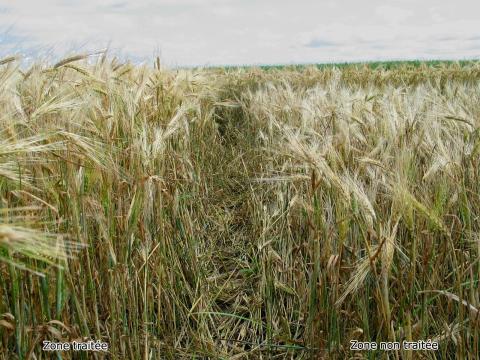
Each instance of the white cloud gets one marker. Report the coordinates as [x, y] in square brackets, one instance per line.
[199, 32]
[393, 14]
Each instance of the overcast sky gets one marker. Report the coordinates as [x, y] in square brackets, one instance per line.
[210, 32]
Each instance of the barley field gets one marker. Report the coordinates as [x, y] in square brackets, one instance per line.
[239, 213]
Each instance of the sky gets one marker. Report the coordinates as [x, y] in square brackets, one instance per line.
[231, 32]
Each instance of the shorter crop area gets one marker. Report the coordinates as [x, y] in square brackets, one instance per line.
[239, 213]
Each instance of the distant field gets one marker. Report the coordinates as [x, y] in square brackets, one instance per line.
[385, 65]
[240, 213]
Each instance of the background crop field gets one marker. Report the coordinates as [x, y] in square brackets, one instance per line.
[239, 213]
